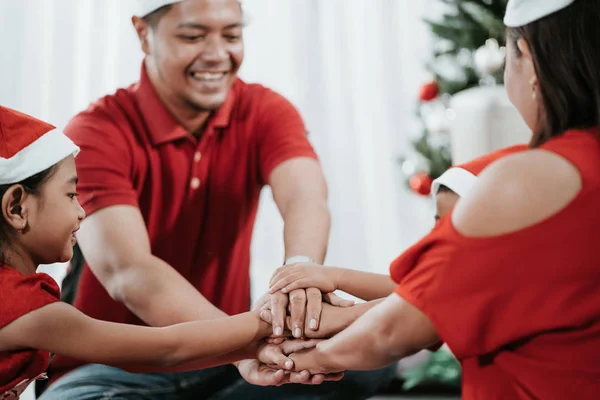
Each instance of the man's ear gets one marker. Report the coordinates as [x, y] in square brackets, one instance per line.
[14, 207]
[527, 60]
[143, 30]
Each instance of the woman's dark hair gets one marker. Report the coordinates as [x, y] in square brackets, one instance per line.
[565, 47]
[32, 185]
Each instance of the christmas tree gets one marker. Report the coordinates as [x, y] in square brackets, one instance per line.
[468, 51]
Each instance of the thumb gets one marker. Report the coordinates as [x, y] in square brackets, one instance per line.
[266, 316]
[337, 301]
[293, 346]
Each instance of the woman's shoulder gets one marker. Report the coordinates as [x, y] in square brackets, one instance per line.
[516, 192]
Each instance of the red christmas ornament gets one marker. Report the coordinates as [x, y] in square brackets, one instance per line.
[429, 91]
[421, 183]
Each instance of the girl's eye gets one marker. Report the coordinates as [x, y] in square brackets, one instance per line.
[73, 195]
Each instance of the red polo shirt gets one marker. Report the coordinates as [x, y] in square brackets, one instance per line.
[198, 198]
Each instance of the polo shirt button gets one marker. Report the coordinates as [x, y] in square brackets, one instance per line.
[197, 156]
[195, 183]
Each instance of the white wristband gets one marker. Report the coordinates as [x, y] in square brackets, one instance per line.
[298, 259]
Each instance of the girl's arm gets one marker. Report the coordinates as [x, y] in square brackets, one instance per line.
[388, 332]
[62, 329]
[364, 285]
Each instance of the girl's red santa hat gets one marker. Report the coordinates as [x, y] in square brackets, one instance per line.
[29, 146]
[461, 178]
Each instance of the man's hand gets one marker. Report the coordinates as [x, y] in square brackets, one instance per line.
[256, 373]
[334, 320]
[305, 310]
[305, 307]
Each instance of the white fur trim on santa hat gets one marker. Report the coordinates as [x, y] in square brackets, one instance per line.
[47, 150]
[146, 7]
[523, 12]
[457, 179]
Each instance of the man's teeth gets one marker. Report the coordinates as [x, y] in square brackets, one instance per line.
[209, 76]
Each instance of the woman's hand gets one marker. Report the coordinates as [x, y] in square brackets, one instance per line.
[314, 361]
[304, 276]
[276, 355]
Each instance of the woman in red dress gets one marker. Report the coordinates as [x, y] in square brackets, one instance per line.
[510, 279]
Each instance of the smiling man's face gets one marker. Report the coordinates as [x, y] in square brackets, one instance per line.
[193, 53]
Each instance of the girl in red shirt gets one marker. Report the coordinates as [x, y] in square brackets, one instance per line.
[510, 278]
[39, 217]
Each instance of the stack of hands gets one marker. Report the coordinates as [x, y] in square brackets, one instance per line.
[296, 316]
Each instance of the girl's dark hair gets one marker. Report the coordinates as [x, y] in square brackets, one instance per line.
[32, 185]
[565, 47]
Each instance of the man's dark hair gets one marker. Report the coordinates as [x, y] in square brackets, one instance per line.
[155, 16]
[565, 47]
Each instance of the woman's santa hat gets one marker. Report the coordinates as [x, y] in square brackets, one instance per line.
[523, 12]
[29, 146]
[461, 178]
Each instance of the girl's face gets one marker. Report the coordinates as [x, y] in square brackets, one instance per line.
[52, 218]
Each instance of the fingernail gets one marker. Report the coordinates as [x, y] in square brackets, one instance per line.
[289, 364]
[313, 324]
[278, 331]
[297, 332]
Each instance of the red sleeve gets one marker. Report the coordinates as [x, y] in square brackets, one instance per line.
[104, 164]
[282, 134]
[484, 294]
[20, 295]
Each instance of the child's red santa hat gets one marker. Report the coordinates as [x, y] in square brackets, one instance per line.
[29, 146]
[461, 178]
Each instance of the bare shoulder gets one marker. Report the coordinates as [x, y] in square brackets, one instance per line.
[516, 192]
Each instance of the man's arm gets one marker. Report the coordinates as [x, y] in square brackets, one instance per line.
[300, 192]
[117, 249]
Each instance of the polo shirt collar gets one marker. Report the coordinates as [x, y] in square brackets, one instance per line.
[162, 126]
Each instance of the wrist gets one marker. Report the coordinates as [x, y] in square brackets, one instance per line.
[264, 329]
[322, 357]
[336, 276]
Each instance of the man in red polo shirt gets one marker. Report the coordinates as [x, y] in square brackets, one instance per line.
[171, 169]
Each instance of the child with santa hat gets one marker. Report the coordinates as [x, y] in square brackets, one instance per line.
[39, 218]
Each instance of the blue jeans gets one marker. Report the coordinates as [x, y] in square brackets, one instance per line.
[101, 382]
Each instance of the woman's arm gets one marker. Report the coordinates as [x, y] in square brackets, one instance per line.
[388, 332]
[62, 329]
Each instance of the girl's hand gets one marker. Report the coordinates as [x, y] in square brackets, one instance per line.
[304, 276]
